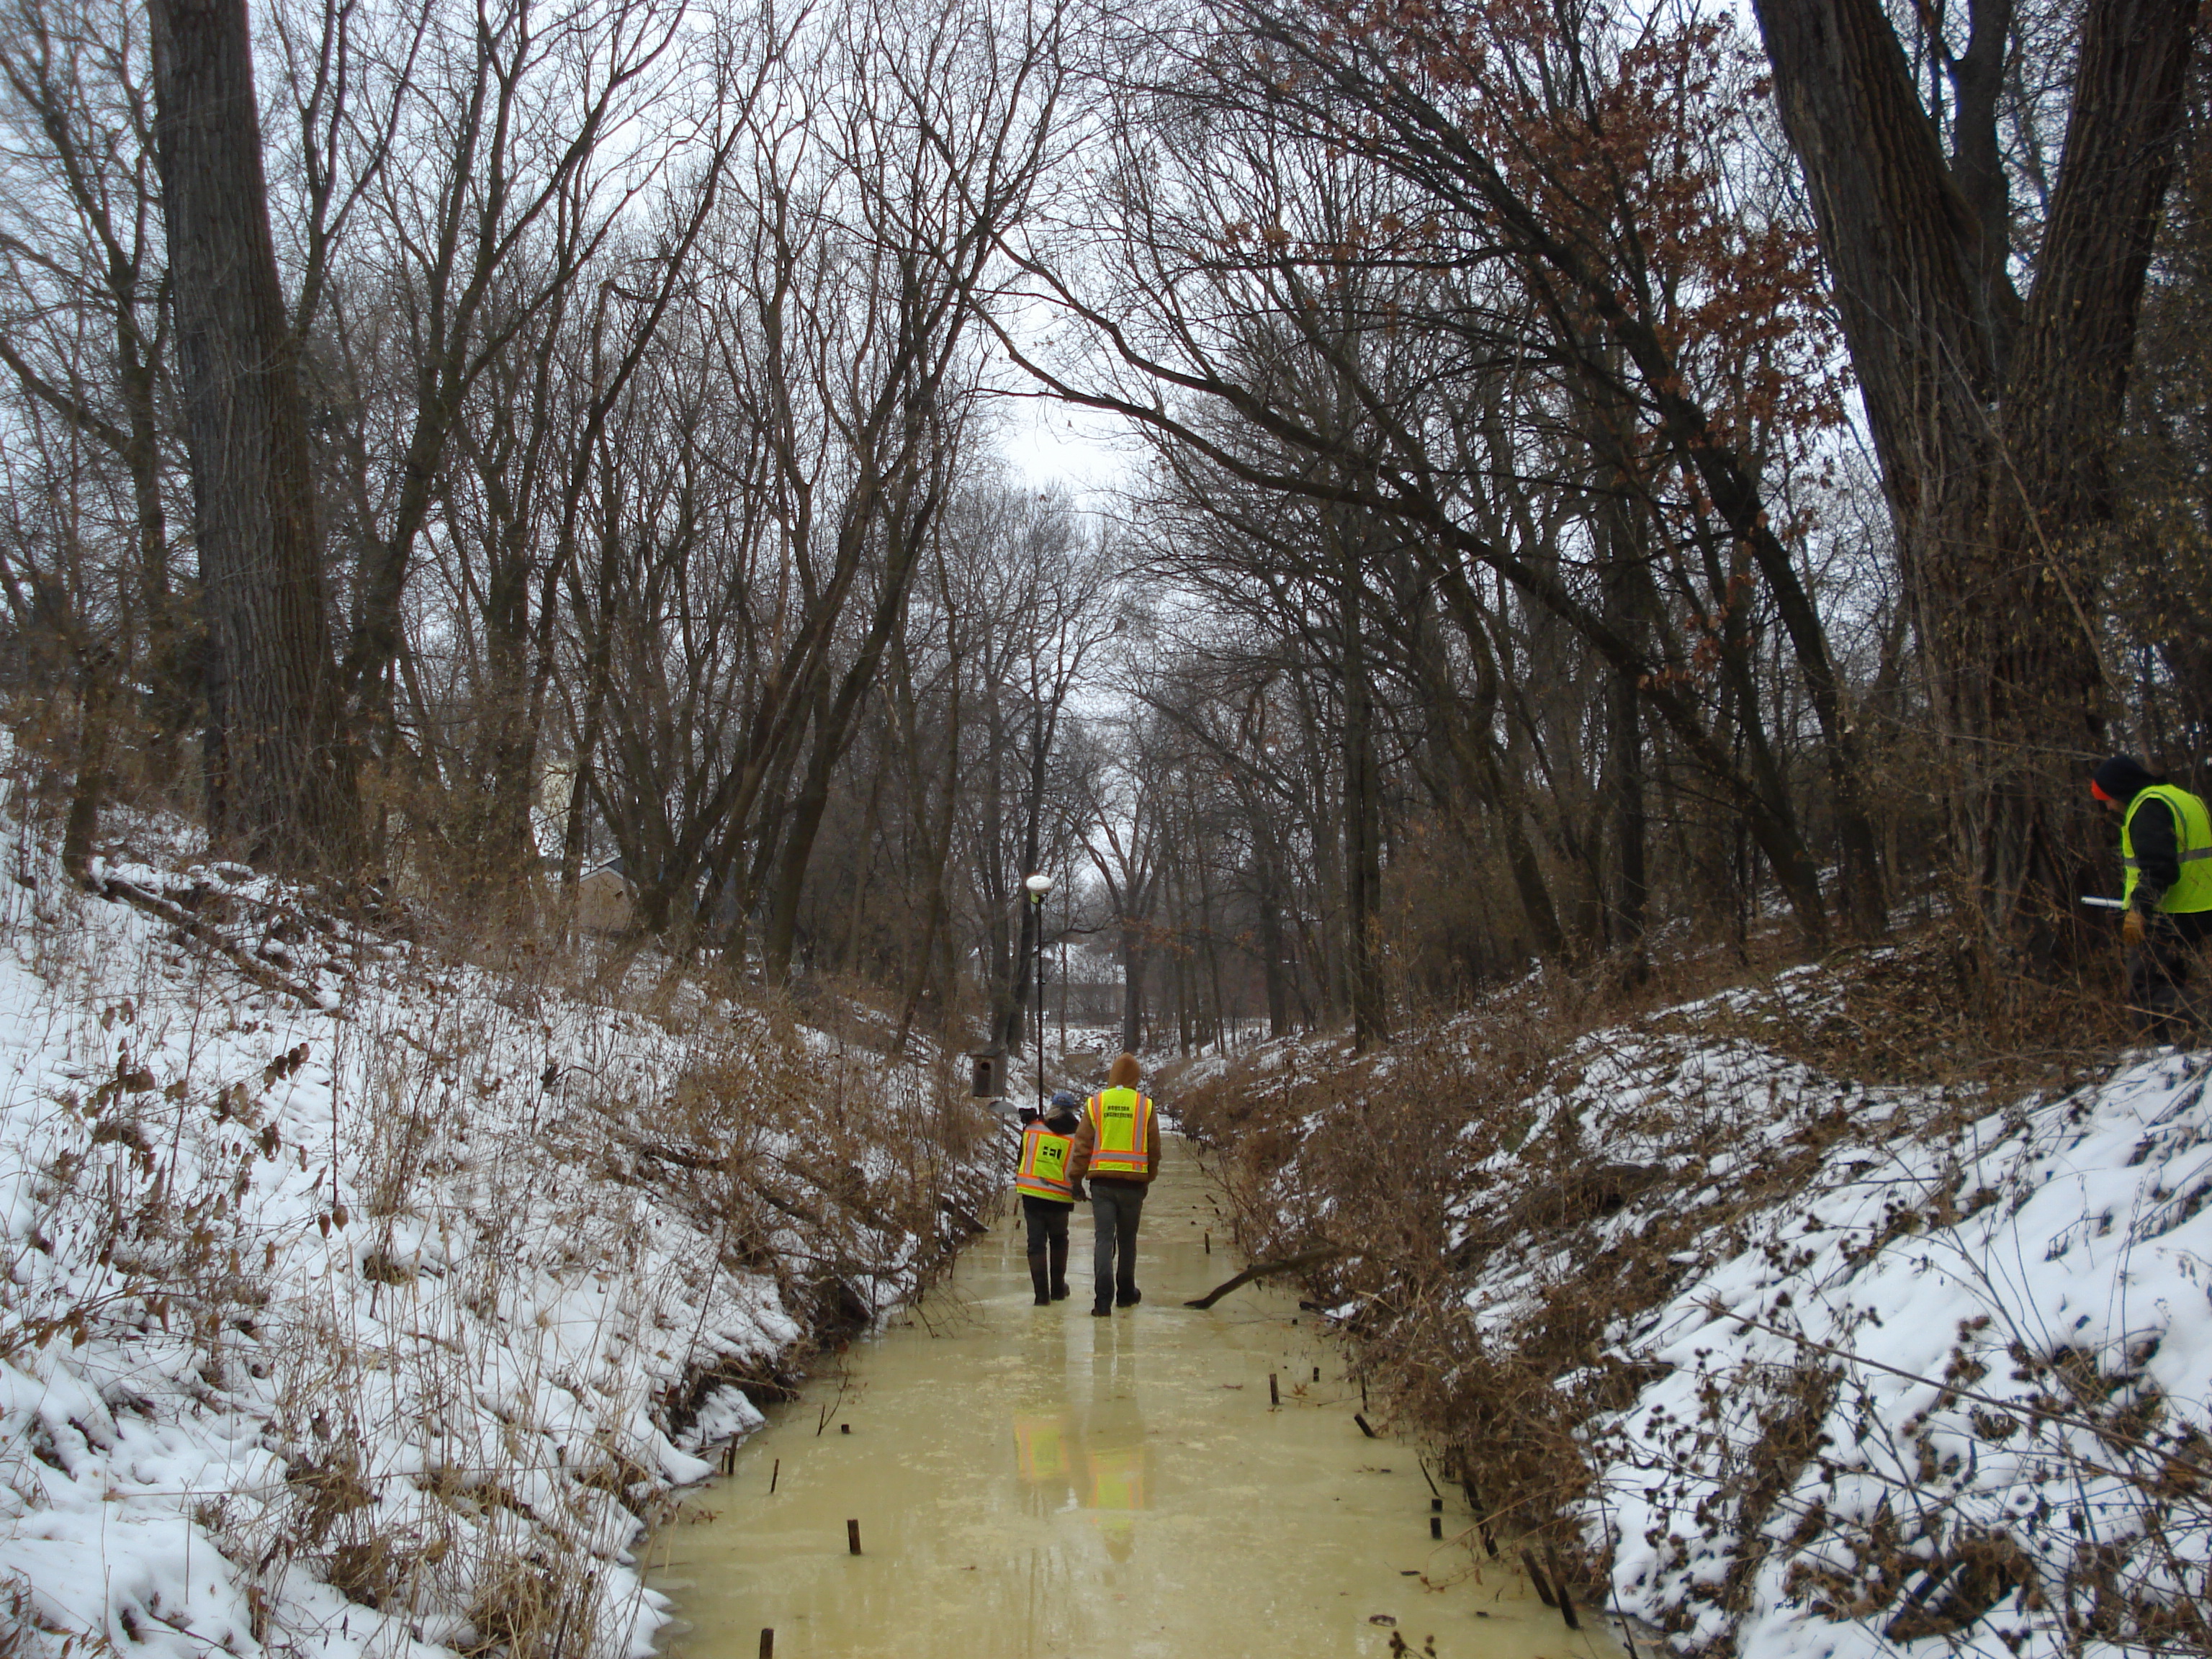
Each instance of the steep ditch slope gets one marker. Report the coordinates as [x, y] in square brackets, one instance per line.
[1785, 1360]
[357, 1300]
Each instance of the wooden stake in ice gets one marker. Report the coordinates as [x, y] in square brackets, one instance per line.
[1481, 1514]
[1536, 1578]
[853, 1537]
[1559, 1583]
[768, 1645]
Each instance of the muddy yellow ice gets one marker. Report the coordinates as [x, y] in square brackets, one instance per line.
[1033, 1483]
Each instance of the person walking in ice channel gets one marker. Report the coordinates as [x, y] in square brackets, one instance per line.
[1117, 1149]
[1047, 1195]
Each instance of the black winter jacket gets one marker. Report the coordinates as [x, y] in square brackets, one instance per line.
[2157, 841]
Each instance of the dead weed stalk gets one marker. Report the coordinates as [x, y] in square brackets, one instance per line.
[1518, 1190]
[471, 1253]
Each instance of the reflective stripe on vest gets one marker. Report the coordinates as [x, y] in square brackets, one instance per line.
[1043, 1172]
[2192, 837]
[1121, 1125]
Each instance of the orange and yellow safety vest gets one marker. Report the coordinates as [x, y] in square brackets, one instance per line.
[1042, 1172]
[1121, 1131]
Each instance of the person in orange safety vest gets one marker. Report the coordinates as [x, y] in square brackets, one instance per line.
[1117, 1148]
[1047, 1195]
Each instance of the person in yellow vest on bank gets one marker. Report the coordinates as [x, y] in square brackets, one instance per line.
[1047, 1191]
[2166, 850]
[1117, 1149]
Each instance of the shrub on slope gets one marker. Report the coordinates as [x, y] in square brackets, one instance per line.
[1793, 1360]
[365, 1297]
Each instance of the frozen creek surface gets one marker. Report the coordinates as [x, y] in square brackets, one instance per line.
[1032, 1483]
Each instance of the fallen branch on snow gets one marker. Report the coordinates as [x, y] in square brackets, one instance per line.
[199, 933]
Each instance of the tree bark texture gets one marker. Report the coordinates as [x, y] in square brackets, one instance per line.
[1363, 818]
[1992, 418]
[1133, 959]
[279, 786]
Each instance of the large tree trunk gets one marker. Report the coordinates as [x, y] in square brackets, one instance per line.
[938, 841]
[1992, 419]
[1134, 957]
[1620, 785]
[278, 788]
[1363, 818]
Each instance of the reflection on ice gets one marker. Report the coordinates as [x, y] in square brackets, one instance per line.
[1033, 1483]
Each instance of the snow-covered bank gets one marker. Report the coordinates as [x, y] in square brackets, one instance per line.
[1822, 1366]
[1952, 1387]
[361, 1302]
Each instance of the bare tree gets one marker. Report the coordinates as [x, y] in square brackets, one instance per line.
[467, 254]
[1993, 413]
[279, 779]
[1509, 182]
[1048, 601]
[83, 332]
[834, 367]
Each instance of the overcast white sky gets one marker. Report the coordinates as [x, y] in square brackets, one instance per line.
[1046, 442]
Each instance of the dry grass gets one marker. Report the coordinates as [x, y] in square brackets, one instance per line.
[561, 1181]
[1437, 1169]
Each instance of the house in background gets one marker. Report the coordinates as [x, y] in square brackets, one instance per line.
[605, 899]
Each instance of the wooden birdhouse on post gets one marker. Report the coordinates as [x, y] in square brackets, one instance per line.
[988, 1081]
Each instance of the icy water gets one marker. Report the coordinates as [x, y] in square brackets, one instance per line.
[1032, 1483]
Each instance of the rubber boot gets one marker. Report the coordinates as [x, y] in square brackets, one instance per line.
[1060, 1270]
[1039, 1280]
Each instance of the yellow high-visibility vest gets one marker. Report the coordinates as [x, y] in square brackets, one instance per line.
[1118, 1477]
[1042, 1172]
[2192, 838]
[1122, 1129]
[1042, 1445]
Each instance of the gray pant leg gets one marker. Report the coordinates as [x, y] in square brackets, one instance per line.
[1043, 1219]
[1103, 1210]
[1124, 1273]
[1114, 1213]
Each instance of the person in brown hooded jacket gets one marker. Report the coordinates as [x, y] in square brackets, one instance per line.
[1117, 1148]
